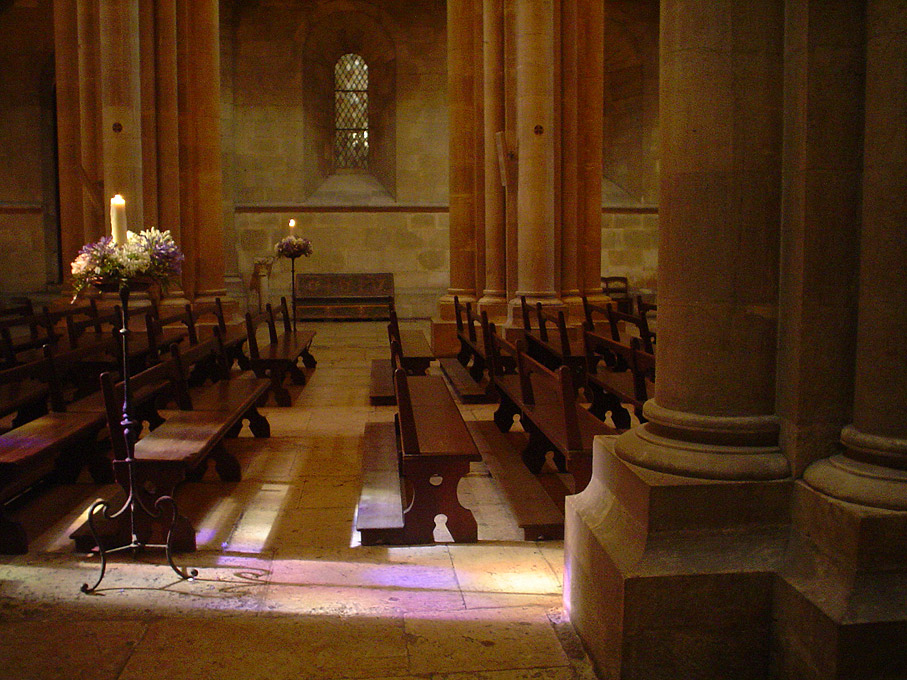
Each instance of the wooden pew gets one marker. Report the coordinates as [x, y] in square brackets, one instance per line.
[234, 335]
[555, 421]
[56, 444]
[434, 449]
[466, 372]
[237, 398]
[22, 337]
[618, 289]
[618, 374]
[176, 450]
[280, 357]
[24, 391]
[416, 359]
[552, 352]
[620, 326]
[415, 353]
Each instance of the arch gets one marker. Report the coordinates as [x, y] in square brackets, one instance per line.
[349, 28]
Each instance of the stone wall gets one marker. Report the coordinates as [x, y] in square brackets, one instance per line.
[630, 246]
[279, 146]
[411, 245]
[27, 172]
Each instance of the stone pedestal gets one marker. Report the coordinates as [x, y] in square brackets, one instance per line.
[841, 595]
[670, 576]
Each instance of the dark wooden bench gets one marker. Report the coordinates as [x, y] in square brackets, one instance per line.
[22, 337]
[234, 335]
[416, 358]
[24, 391]
[546, 403]
[551, 347]
[621, 326]
[618, 374]
[343, 296]
[537, 512]
[56, 444]
[178, 449]
[434, 449]
[281, 356]
[466, 371]
[236, 397]
[555, 421]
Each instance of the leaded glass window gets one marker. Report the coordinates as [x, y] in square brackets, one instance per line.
[351, 112]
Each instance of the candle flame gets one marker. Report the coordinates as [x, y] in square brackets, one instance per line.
[292, 223]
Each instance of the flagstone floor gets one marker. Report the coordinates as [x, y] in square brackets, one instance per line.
[284, 590]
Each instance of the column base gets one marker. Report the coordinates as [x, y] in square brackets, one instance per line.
[670, 576]
[841, 597]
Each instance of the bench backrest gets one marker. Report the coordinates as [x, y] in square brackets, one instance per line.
[22, 333]
[183, 361]
[309, 285]
[501, 354]
[160, 378]
[638, 321]
[101, 324]
[252, 323]
[155, 326]
[40, 370]
[215, 309]
[409, 438]
[550, 394]
[285, 314]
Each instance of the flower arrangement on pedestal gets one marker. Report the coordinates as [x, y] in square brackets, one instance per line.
[149, 257]
[293, 246]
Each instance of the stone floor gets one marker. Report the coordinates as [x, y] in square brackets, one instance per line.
[284, 588]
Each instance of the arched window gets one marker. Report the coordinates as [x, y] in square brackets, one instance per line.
[351, 112]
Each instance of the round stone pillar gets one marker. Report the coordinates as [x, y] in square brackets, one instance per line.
[198, 24]
[94, 215]
[461, 95]
[590, 66]
[713, 414]
[495, 293]
[68, 139]
[121, 123]
[873, 470]
[536, 242]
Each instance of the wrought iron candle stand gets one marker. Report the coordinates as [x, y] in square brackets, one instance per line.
[134, 502]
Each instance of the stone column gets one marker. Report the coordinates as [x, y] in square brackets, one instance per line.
[670, 550]
[198, 27]
[94, 214]
[494, 297]
[840, 608]
[121, 124]
[148, 88]
[478, 163]
[873, 469]
[589, 142]
[68, 139]
[536, 134]
[461, 97]
[168, 164]
[720, 209]
[568, 183]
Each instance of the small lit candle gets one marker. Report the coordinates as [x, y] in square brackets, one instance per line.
[292, 223]
[118, 219]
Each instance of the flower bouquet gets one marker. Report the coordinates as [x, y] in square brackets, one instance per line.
[293, 246]
[149, 257]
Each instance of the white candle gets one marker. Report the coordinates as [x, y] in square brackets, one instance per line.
[118, 219]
